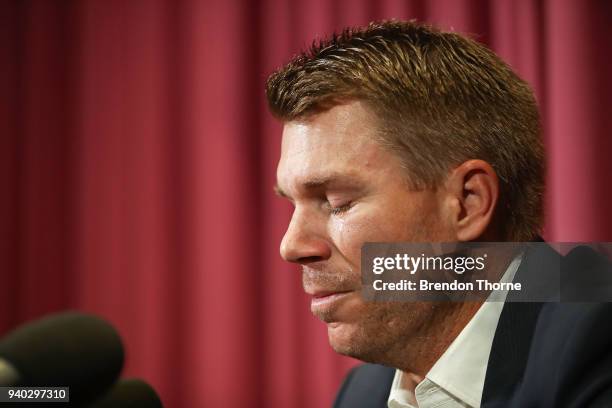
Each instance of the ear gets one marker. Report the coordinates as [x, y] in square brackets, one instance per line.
[473, 191]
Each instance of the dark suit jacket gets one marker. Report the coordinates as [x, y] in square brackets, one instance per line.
[545, 354]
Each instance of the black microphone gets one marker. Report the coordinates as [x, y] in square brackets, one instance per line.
[130, 393]
[71, 349]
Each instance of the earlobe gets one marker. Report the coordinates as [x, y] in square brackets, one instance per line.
[474, 189]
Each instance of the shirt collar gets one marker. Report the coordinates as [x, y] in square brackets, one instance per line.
[461, 370]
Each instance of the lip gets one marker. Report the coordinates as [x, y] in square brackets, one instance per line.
[326, 300]
[325, 293]
[319, 292]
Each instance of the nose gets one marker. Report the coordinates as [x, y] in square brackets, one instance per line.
[305, 239]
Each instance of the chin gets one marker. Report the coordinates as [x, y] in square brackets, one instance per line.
[360, 348]
[350, 340]
[340, 335]
[375, 337]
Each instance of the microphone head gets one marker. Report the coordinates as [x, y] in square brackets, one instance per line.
[71, 349]
[129, 393]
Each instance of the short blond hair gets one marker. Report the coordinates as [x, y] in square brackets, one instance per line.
[441, 98]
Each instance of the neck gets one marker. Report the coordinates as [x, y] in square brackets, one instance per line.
[419, 356]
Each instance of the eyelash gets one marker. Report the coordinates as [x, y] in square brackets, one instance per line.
[341, 209]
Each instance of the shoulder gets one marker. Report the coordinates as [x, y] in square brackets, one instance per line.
[365, 386]
[557, 353]
[570, 362]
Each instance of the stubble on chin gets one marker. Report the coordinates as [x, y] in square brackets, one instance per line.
[384, 332]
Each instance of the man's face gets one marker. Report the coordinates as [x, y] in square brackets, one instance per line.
[347, 190]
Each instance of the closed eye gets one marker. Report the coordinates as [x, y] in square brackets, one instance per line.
[340, 209]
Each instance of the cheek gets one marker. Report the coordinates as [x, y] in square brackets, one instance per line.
[346, 235]
[350, 233]
[383, 222]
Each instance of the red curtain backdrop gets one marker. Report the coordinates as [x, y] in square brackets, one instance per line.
[137, 160]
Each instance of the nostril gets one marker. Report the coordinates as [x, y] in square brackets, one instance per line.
[303, 244]
[309, 259]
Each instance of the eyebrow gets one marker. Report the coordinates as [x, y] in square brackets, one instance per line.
[326, 181]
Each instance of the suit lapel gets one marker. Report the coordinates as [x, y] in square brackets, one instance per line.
[517, 322]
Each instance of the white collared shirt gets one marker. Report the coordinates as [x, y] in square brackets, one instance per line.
[457, 379]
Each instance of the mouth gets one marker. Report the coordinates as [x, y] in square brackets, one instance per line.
[325, 301]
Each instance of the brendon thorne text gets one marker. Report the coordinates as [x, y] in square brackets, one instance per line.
[425, 285]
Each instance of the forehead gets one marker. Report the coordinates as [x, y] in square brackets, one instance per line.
[343, 139]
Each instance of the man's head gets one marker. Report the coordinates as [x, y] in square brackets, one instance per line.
[399, 132]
